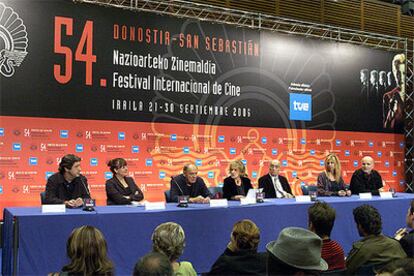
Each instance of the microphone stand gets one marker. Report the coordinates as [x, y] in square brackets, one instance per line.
[86, 206]
[184, 203]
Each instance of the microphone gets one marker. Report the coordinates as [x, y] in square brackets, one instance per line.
[184, 201]
[88, 203]
[312, 194]
[176, 183]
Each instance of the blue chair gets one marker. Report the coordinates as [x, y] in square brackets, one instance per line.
[167, 194]
[217, 192]
[308, 188]
[43, 198]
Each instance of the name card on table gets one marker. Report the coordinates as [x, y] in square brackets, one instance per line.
[303, 198]
[219, 203]
[155, 205]
[247, 201]
[386, 194]
[53, 208]
[365, 196]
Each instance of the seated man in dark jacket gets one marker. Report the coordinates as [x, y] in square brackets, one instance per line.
[366, 179]
[67, 186]
[240, 256]
[189, 184]
[273, 184]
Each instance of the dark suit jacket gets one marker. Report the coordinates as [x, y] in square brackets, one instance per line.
[244, 262]
[196, 189]
[58, 190]
[266, 183]
[230, 187]
[115, 192]
[363, 183]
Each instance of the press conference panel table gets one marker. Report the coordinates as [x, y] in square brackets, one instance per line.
[35, 243]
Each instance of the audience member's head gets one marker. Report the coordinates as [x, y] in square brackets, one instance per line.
[410, 215]
[153, 264]
[169, 238]
[368, 220]
[245, 236]
[321, 219]
[399, 267]
[295, 251]
[87, 251]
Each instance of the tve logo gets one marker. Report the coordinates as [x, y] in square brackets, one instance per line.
[108, 175]
[264, 140]
[370, 144]
[379, 154]
[221, 139]
[186, 150]
[121, 136]
[1, 131]
[173, 137]
[48, 174]
[387, 164]
[1, 189]
[198, 162]
[274, 151]
[94, 162]
[210, 174]
[64, 134]
[17, 146]
[79, 148]
[303, 141]
[232, 151]
[394, 173]
[347, 153]
[312, 152]
[148, 162]
[162, 175]
[338, 142]
[321, 163]
[254, 174]
[135, 149]
[33, 161]
[294, 174]
[244, 161]
[284, 163]
[300, 107]
[355, 163]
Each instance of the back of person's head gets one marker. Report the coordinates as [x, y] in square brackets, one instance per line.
[153, 264]
[87, 251]
[412, 207]
[245, 235]
[369, 219]
[295, 250]
[321, 218]
[169, 238]
[400, 267]
[67, 162]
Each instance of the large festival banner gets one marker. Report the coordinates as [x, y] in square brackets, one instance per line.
[160, 91]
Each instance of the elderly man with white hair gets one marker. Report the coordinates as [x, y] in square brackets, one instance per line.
[273, 184]
[366, 179]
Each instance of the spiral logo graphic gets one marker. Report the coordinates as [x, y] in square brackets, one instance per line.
[13, 41]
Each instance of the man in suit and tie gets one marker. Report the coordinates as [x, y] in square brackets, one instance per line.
[273, 184]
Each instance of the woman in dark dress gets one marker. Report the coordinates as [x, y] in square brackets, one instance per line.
[330, 182]
[121, 189]
[236, 185]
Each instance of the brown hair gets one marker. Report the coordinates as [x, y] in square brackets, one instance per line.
[245, 235]
[87, 251]
[116, 163]
[322, 217]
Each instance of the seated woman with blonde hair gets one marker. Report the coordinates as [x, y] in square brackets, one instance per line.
[236, 185]
[169, 239]
[240, 256]
[330, 182]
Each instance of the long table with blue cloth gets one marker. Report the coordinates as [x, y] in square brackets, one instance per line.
[35, 242]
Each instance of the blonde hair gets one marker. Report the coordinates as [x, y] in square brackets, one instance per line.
[245, 235]
[87, 251]
[169, 238]
[238, 164]
[337, 168]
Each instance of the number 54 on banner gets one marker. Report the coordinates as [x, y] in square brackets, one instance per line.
[83, 51]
